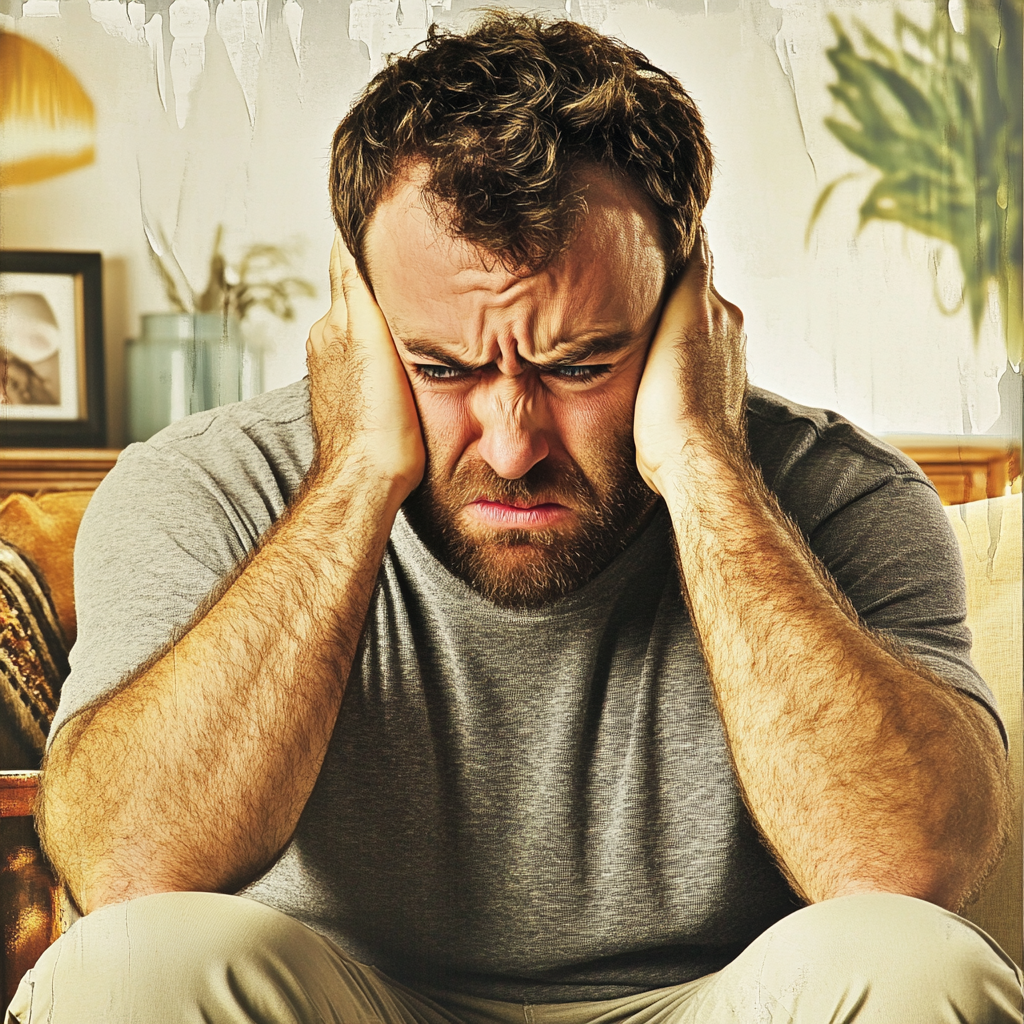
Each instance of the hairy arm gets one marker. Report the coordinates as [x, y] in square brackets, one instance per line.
[863, 771]
[192, 774]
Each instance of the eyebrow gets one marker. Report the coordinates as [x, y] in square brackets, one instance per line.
[574, 352]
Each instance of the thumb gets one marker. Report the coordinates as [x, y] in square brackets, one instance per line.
[337, 265]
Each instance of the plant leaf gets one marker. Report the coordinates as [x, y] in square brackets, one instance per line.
[171, 275]
[823, 198]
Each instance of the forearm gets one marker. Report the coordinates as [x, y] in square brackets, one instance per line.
[193, 774]
[862, 771]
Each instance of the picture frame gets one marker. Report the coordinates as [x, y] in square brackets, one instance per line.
[52, 391]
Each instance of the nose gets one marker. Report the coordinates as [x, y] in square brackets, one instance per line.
[511, 419]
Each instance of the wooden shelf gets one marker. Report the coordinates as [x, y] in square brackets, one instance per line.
[18, 793]
[963, 467]
[31, 470]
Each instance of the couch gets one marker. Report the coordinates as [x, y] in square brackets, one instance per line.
[37, 537]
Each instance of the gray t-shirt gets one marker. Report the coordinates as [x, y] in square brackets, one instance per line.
[522, 805]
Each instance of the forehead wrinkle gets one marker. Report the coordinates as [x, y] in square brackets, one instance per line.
[499, 321]
[458, 307]
[494, 281]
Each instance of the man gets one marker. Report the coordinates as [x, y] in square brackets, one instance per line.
[445, 717]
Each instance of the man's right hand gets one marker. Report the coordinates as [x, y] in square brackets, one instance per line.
[363, 410]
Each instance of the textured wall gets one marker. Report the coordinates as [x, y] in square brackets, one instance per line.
[221, 112]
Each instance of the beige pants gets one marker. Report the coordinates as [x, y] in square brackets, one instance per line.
[201, 958]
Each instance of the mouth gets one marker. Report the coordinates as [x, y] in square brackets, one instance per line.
[520, 515]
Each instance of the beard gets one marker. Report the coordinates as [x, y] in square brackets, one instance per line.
[516, 568]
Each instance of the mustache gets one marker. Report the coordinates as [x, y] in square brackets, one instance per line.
[530, 568]
[562, 483]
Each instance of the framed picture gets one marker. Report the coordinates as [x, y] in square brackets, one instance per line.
[51, 350]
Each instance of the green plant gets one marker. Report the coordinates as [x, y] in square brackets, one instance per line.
[231, 289]
[939, 115]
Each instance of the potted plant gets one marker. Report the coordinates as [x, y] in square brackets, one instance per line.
[938, 116]
[197, 358]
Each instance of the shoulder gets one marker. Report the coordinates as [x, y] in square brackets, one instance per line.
[271, 432]
[173, 517]
[265, 442]
[219, 478]
[817, 461]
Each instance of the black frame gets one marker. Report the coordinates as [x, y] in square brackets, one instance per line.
[91, 430]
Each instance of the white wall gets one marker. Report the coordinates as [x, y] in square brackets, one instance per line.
[849, 322]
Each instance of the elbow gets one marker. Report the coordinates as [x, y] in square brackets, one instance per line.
[980, 823]
[67, 823]
[57, 835]
[983, 834]
[934, 879]
[954, 858]
[964, 838]
[62, 833]
[102, 857]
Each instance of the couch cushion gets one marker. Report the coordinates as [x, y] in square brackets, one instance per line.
[37, 617]
[989, 533]
[33, 660]
[44, 529]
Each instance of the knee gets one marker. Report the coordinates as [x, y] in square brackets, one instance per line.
[174, 930]
[878, 927]
[175, 956]
[895, 953]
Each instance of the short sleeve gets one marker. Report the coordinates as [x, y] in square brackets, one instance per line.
[171, 520]
[894, 554]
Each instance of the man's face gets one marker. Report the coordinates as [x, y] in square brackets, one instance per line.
[525, 388]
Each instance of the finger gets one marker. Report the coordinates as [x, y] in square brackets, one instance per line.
[337, 265]
[707, 258]
[365, 320]
[697, 273]
[689, 295]
[315, 338]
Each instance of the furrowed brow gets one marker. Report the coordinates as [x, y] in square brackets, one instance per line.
[429, 350]
[569, 352]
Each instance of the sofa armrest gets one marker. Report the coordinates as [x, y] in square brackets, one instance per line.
[989, 533]
[30, 899]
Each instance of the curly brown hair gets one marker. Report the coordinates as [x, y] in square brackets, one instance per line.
[503, 117]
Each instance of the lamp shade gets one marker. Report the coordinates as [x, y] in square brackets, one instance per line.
[47, 122]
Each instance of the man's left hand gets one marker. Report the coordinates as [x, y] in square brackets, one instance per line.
[694, 384]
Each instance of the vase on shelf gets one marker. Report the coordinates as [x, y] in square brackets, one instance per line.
[185, 363]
